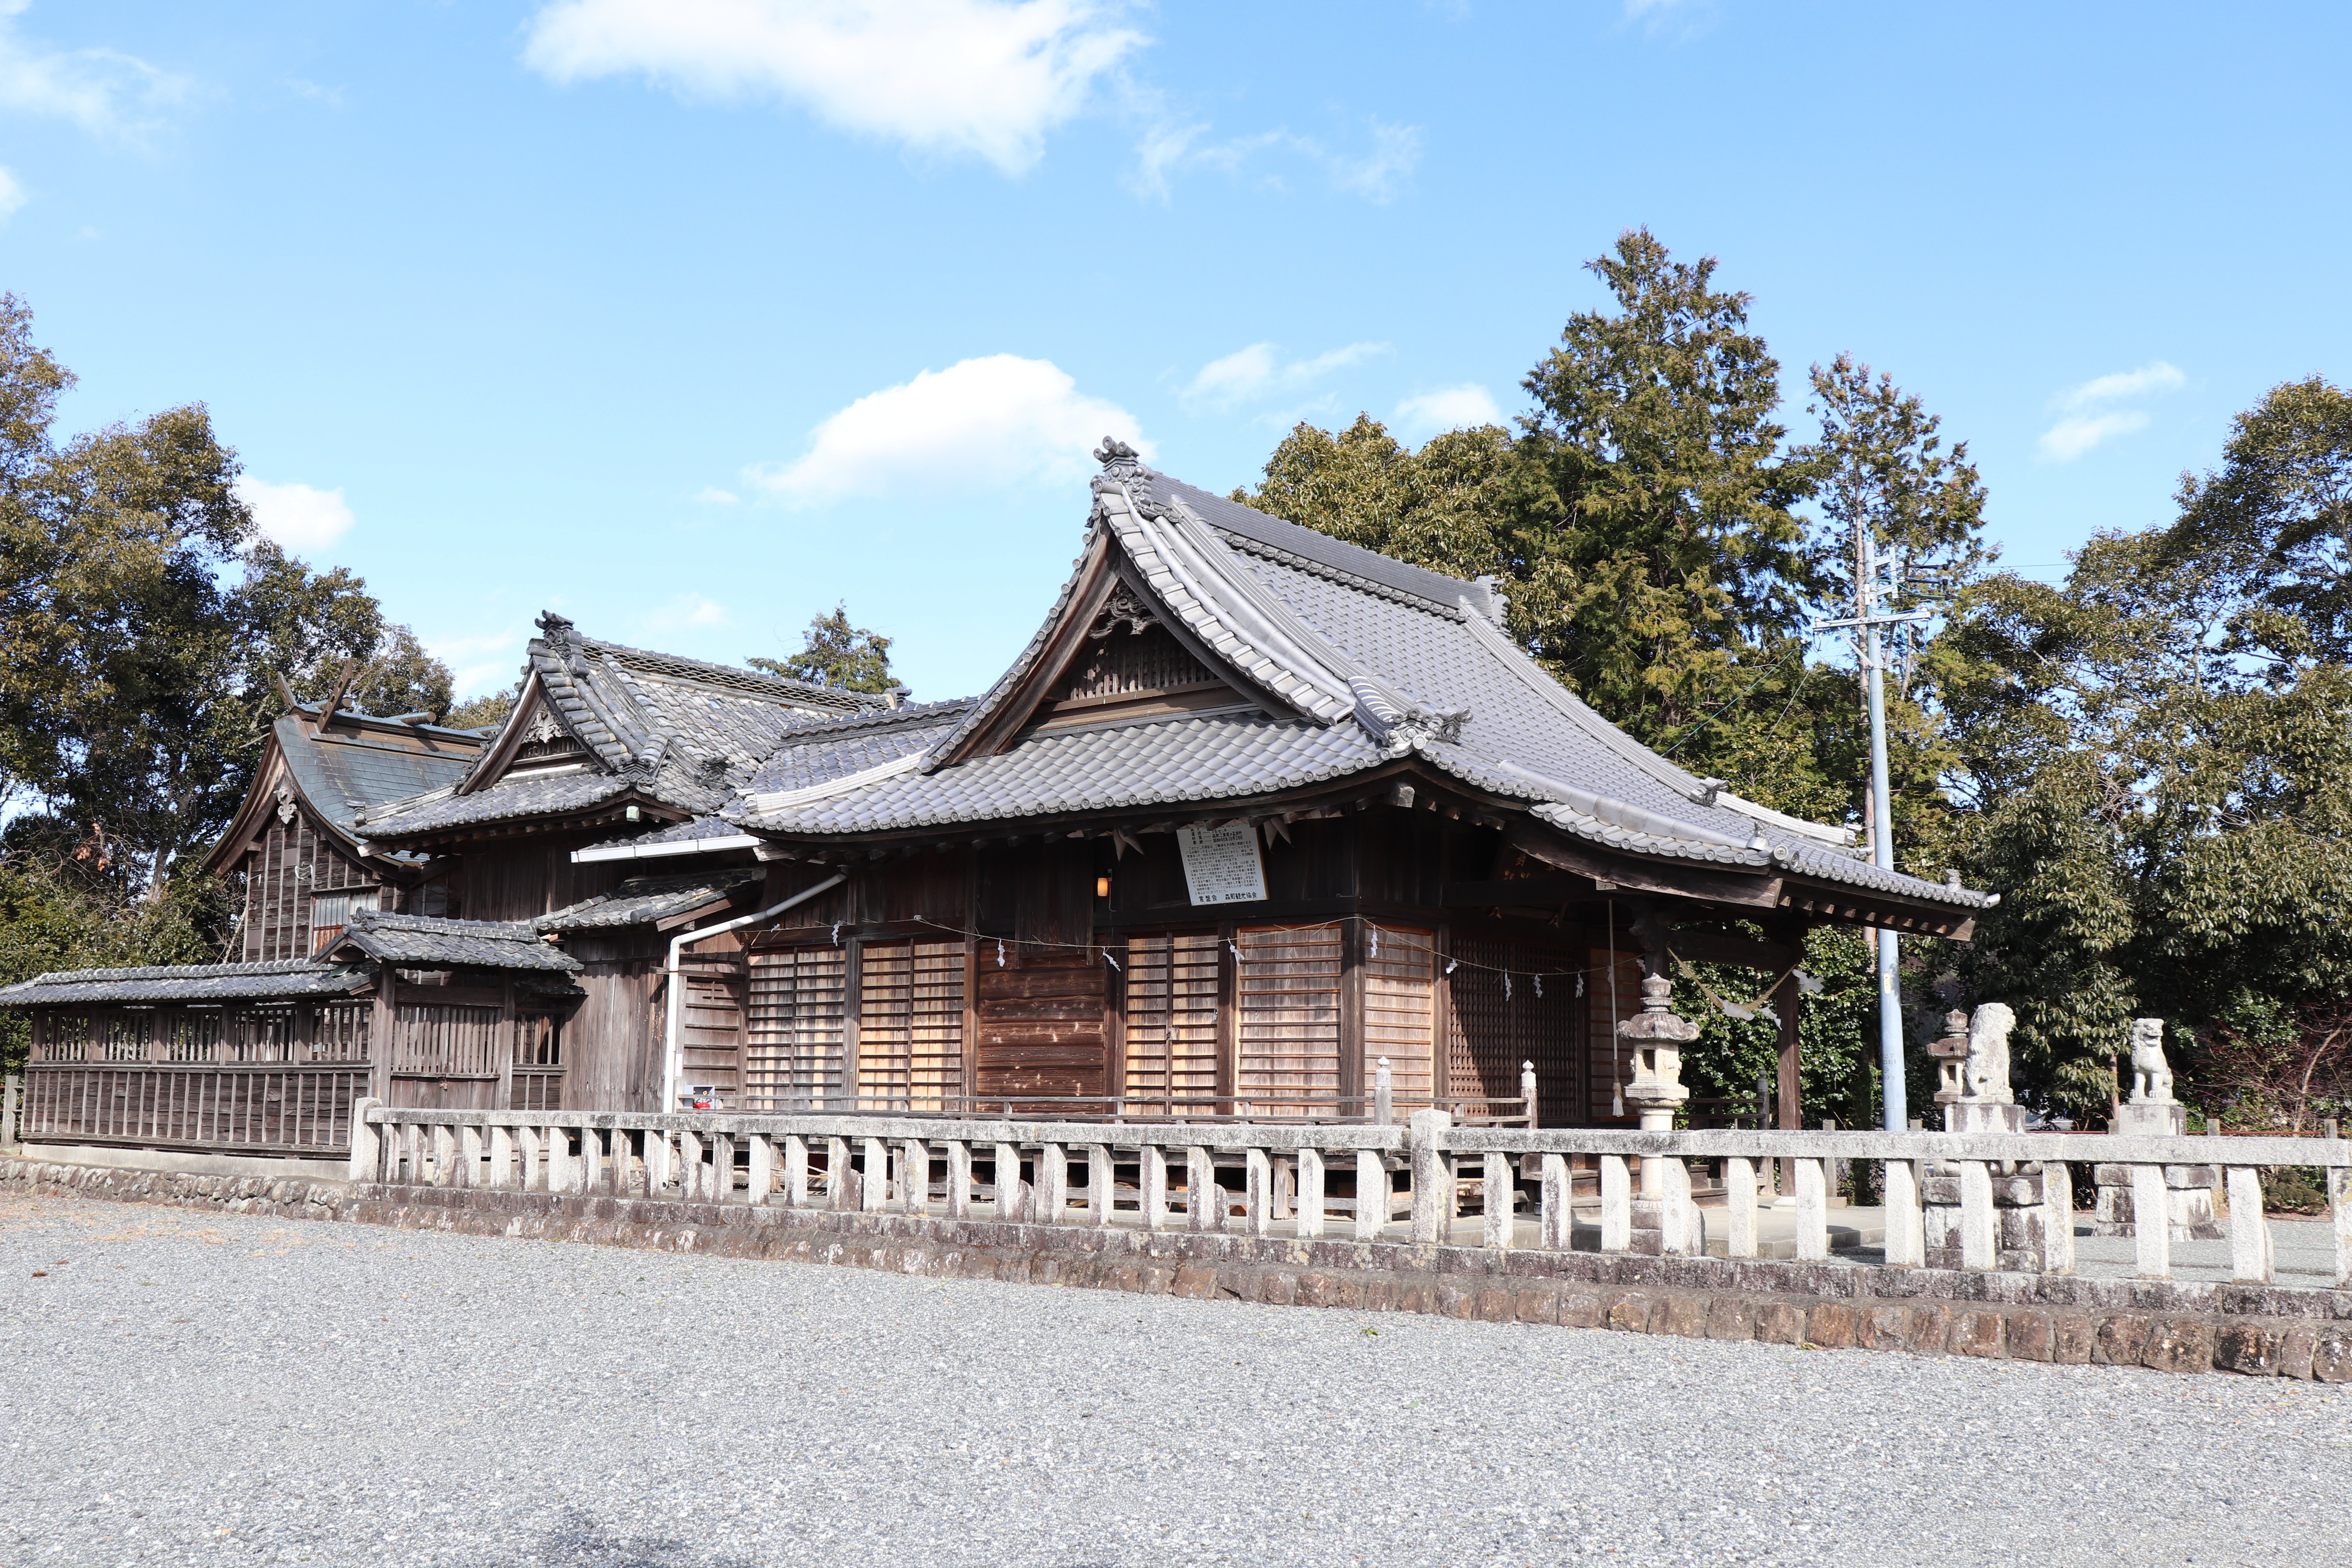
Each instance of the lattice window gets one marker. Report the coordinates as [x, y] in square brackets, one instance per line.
[126, 1036]
[537, 1082]
[791, 1051]
[339, 1031]
[261, 1035]
[65, 1038]
[1171, 1017]
[192, 1035]
[1287, 991]
[1401, 1011]
[447, 1040]
[909, 1025]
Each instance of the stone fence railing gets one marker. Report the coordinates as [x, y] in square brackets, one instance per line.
[1972, 1201]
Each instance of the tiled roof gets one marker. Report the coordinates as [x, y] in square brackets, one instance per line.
[282, 978]
[1377, 660]
[636, 708]
[643, 900]
[1164, 762]
[351, 767]
[678, 730]
[431, 939]
[531, 795]
[819, 754]
[691, 830]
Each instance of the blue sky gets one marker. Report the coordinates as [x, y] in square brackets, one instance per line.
[692, 317]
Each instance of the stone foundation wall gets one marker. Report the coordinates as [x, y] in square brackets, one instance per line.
[2261, 1330]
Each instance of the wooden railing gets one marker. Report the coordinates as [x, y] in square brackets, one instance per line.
[1976, 1201]
[301, 1109]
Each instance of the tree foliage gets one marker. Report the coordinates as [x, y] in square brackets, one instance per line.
[483, 712]
[1663, 546]
[142, 621]
[2157, 762]
[837, 655]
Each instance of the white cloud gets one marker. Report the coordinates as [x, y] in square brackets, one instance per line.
[2089, 415]
[2070, 438]
[711, 495]
[299, 518]
[987, 79]
[2153, 376]
[1448, 408]
[1259, 372]
[111, 95]
[979, 424]
[12, 195]
[1171, 146]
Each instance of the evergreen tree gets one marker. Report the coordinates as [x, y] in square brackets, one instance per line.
[837, 655]
[142, 622]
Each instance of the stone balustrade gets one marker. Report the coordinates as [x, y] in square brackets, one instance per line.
[1976, 1201]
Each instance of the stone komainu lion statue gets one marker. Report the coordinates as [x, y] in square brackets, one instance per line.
[2151, 1074]
[1985, 1074]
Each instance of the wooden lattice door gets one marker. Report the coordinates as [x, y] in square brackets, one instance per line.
[793, 1034]
[1287, 1002]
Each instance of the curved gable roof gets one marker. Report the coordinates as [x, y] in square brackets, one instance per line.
[1372, 661]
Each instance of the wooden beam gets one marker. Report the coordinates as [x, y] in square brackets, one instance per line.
[1644, 877]
[1529, 892]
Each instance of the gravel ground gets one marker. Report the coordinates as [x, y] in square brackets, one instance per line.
[190, 1387]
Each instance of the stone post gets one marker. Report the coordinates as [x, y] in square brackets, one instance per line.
[1307, 1208]
[1431, 1180]
[1665, 1220]
[367, 1139]
[1371, 1196]
[1102, 1182]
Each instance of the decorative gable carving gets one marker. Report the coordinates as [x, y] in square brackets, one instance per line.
[1144, 659]
[542, 742]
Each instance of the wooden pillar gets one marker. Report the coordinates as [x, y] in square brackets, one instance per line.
[1788, 1002]
[1228, 1021]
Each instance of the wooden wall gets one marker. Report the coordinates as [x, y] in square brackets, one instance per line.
[1042, 1027]
[285, 865]
[613, 1045]
[1282, 1004]
[533, 875]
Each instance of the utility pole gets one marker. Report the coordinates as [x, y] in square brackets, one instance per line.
[1871, 651]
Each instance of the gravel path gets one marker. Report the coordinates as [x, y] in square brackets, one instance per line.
[184, 1388]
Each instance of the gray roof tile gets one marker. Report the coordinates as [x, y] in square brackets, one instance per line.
[640, 900]
[281, 978]
[680, 731]
[430, 939]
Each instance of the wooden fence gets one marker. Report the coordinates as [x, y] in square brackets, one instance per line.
[282, 1108]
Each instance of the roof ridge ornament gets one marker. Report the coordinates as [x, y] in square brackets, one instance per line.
[1119, 460]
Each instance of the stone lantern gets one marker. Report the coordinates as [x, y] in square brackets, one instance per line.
[1664, 1219]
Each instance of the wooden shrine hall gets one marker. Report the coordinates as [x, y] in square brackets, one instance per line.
[1254, 811]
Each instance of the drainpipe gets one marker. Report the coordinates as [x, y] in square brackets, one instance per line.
[676, 1007]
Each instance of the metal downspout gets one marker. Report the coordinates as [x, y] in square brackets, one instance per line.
[676, 1008]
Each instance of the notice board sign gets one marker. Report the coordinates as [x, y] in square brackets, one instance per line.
[1222, 864]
